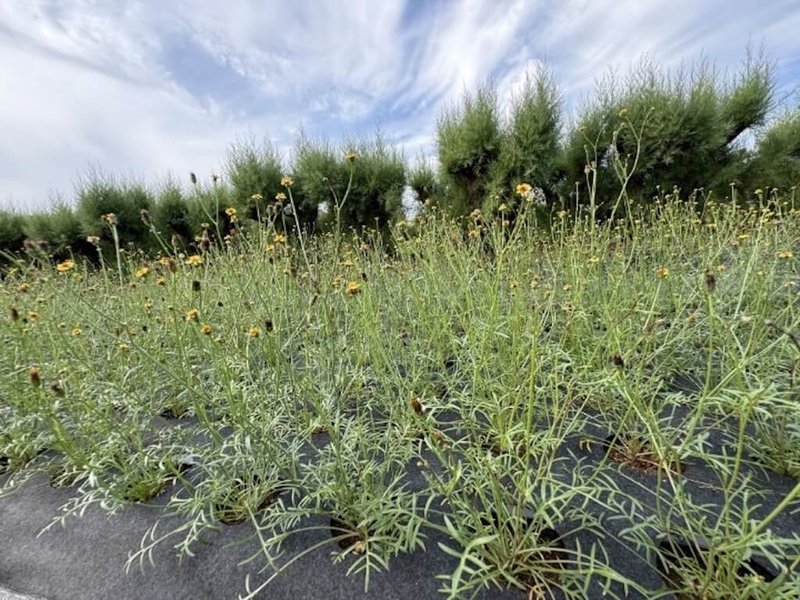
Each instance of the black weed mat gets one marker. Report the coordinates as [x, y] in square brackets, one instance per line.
[86, 558]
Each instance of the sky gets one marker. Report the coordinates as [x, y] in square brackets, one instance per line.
[147, 89]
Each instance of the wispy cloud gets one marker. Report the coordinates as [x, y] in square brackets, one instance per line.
[147, 87]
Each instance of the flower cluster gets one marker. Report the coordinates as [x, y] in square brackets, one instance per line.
[533, 195]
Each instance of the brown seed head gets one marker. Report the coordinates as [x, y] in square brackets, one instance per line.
[617, 360]
[416, 404]
[711, 281]
[34, 377]
[205, 240]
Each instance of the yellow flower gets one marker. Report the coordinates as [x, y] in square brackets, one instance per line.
[33, 315]
[64, 267]
[93, 239]
[662, 272]
[474, 233]
[143, 272]
[503, 207]
[623, 112]
[206, 329]
[523, 189]
[562, 214]
[254, 332]
[76, 331]
[23, 288]
[280, 197]
[287, 181]
[785, 254]
[593, 260]
[743, 236]
[350, 156]
[256, 197]
[161, 281]
[192, 314]
[123, 347]
[279, 238]
[230, 211]
[195, 260]
[270, 248]
[353, 288]
[109, 219]
[711, 225]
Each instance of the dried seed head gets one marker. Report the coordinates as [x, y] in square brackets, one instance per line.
[205, 240]
[193, 178]
[268, 325]
[13, 313]
[34, 377]
[195, 286]
[416, 404]
[144, 215]
[617, 360]
[711, 281]
[56, 388]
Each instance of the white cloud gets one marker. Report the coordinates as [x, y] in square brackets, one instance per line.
[149, 87]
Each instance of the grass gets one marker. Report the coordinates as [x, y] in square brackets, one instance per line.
[533, 400]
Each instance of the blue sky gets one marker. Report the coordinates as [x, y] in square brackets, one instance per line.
[153, 87]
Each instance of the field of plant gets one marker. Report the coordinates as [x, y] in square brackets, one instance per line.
[571, 371]
[563, 407]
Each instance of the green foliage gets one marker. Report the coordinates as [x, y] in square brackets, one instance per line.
[378, 173]
[423, 182]
[453, 398]
[530, 141]
[677, 129]
[747, 102]
[469, 140]
[171, 214]
[60, 228]
[207, 206]
[253, 170]
[777, 158]
[100, 196]
[11, 232]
